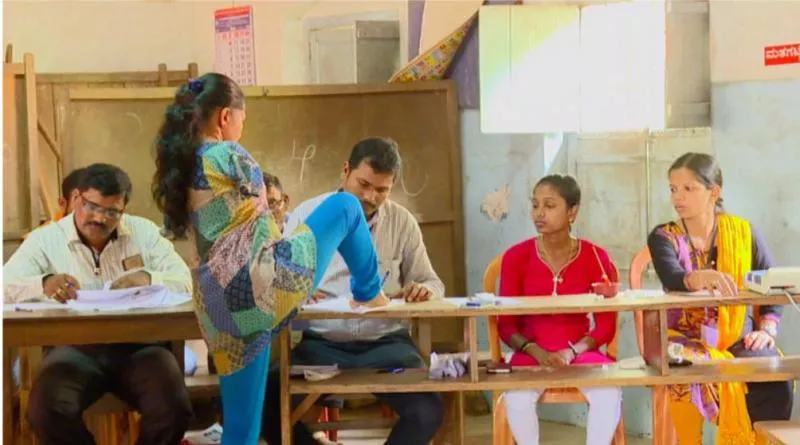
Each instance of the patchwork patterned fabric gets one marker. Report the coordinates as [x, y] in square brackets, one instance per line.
[685, 326]
[250, 282]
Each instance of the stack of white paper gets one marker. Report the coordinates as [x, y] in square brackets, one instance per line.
[142, 297]
[131, 298]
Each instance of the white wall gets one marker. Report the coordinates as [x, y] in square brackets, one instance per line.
[137, 35]
[740, 30]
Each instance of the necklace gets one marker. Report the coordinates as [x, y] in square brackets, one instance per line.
[704, 255]
[543, 253]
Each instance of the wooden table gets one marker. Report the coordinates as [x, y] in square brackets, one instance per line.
[778, 433]
[657, 371]
[66, 327]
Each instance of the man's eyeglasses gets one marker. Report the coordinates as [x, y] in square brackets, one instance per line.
[274, 203]
[91, 207]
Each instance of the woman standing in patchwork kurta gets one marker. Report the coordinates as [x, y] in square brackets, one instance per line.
[707, 248]
[250, 281]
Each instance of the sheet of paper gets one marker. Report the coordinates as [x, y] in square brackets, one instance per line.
[299, 370]
[33, 306]
[343, 305]
[643, 293]
[699, 293]
[330, 305]
[632, 363]
[392, 304]
[132, 298]
[499, 301]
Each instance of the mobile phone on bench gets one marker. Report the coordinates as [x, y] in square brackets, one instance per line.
[498, 368]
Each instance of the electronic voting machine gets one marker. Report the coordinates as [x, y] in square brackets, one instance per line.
[776, 280]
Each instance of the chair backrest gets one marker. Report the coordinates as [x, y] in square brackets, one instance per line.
[491, 278]
[638, 267]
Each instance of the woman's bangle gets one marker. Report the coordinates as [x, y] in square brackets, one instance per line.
[770, 328]
[572, 348]
[524, 346]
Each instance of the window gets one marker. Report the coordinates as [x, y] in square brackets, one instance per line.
[561, 68]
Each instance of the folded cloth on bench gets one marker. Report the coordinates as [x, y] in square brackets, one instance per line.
[448, 366]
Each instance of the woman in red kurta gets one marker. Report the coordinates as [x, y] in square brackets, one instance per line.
[555, 263]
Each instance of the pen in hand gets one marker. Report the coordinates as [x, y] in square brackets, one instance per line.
[385, 277]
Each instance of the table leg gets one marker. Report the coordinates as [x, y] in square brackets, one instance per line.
[471, 334]
[286, 396]
[452, 430]
[8, 394]
[424, 338]
[655, 340]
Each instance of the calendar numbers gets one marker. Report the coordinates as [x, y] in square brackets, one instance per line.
[234, 44]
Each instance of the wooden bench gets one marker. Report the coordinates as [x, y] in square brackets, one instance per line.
[778, 433]
[416, 380]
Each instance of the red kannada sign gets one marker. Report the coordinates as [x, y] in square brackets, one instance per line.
[782, 54]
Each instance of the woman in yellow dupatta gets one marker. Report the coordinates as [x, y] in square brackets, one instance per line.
[708, 249]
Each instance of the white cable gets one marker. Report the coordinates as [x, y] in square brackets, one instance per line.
[791, 300]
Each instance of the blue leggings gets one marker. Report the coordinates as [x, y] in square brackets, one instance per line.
[338, 223]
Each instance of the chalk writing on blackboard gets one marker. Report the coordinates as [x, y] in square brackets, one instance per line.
[308, 154]
[135, 117]
[416, 193]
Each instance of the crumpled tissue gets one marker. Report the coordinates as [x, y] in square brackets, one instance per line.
[448, 366]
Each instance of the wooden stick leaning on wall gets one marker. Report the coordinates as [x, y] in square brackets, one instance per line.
[29, 218]
[33, 138]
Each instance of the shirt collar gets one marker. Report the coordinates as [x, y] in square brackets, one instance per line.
[67, 224]
[372, 220]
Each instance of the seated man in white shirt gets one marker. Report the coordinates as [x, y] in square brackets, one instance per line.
[370, 174]
[95, 244]
[277, 199]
